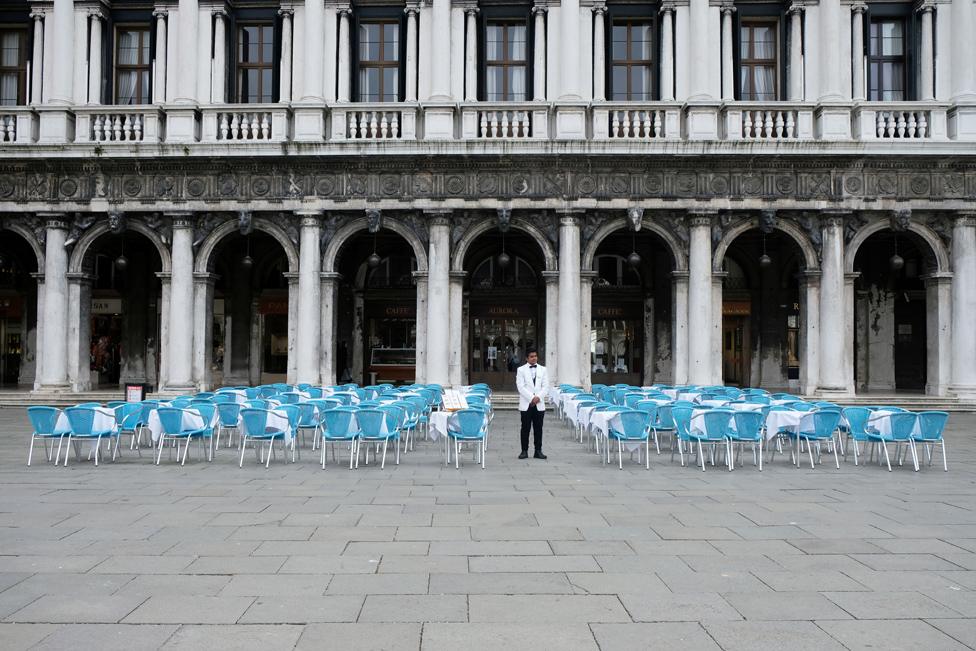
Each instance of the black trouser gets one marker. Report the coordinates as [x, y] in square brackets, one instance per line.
[532, 416]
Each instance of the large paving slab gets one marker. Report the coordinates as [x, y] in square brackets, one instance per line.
[567, 553]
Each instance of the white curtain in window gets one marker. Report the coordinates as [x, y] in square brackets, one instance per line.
[125, 93]
[765, 83]
[518, 85]
[8, 90]
[10, 46]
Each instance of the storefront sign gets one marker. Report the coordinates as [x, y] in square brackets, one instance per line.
[609, 312]
[504, 311]
[273, 306]
[400, 311]
[736, 308]
[106, 306]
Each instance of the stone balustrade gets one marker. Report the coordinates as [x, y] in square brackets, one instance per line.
[530, 121]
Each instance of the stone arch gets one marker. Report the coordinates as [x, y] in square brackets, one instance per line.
[483, 226]
[810, 258]
[259, 223]
[77, 262]
[930, 237]
[676, 248]
[28, 235]
[354, 226]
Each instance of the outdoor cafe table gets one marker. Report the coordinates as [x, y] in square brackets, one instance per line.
[104, 420]
[191, 420]
[880, 420]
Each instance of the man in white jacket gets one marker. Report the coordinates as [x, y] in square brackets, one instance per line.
[532, 383]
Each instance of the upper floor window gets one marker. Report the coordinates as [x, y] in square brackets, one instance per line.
[13, 67]
[632, 55]
[379, 61]
[757, 61]
[506, 61]
[132, 64]
[886, 60]
[255, 64]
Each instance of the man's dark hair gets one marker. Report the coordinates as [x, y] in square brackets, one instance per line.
[529, 351]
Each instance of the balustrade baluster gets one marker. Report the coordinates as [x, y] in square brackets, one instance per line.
[922, 124]
[137, 127]
[779, 124]
[373, 125]
[265, 126]
[911, 124]
[505, 125]
[126, 128]
[395, 125]
[892, 123]
[790, 124]
[116, 128]
[224, 126]
[901, 124]
[614, 124]
[97, 126]
[657, 124]
[235, 127]
[880, 124]
[625, 127]
[383, 125]
[747, 124]
[484, 123]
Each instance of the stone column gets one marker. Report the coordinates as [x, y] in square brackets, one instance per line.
[357, 348]
[438, 296]
[938, 327]
[829, 18]
[79, 61]
[440, 81]
[809, 335]
[293, 306]
[679, 327]
[188, 20]
[847, 365]
[420, 277]
[162, 346]
[568, 327]
[859, 90]
[599, 54]
[314, 52]
[218, 89]
[586, 326]
[700, 297]
[203, 289]
[964, 305]
[39, 332]
[649, 351]
[926, 91]
[698, 86]
[569, 16]
[833, 306]
[95, 58]
[180, 351]
[718, 278]
[728, 68]
[471, 54]
[47, 79]
[309, 298]
[796, 52]
[963, 48]
[667, 51]
[287, 16]
[254, 354]
[552, 333]
[37, 58]
[410, 94]
[79, 331]
[456, 328]
[159, 65]
[54, 372]
[345, 51]
[539, 64]
[329, 294]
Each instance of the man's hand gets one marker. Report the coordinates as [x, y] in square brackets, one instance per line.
[535, 400]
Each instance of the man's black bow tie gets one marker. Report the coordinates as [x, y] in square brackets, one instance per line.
[532, 366]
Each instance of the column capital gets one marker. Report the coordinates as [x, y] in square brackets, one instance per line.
[286, 12]
[965, 218]
[205, 278]
[599, 10]
[471, 11]
[667, 7]
[180, 219]
[38, 13]
[54, 220]
[344, 12]
[160, 12]
[796, 8]
[551, 277]
[419, 276]
[809, 277]
[728, 7]
[96, 12]
[291, 277]
[541, 9]
[309, 217]
[412, 10]
[457, 276]
[851, 276]
[330, 277]
[858, 7]
[80, 278]
[701, 216]
[924, 6]
[218, 12]
[936, 278]
[680, 276]
[588, 276]
[438, 216]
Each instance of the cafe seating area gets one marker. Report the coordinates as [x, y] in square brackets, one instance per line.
[368, 423]
[714, 424]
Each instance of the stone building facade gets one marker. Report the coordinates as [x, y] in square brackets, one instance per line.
[203, 193]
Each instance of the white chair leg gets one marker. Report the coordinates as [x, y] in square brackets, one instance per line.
[887, 460]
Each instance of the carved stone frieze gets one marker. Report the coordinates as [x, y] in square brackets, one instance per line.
[901, 220]
[854, 222]
[461, 222]
[677, 224]
[205, 224]
[941, 225]
[116, 222]
[160, 225]
[287, 224]
[417, 224]
[546, 222]
[723, 223]
[810, 223]
[330, 224]
[81, 223]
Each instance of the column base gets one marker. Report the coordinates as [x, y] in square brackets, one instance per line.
[438, 122]
[172, 389]
[834, 392]
[570, 122]
[701, 120]
[52, 390]
[56, 125]
[182, 124]
[833, 121]
[961, 120]
[309, 122]
[963, 391]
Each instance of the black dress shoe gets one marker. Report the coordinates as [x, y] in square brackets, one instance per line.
[524, 455]
[538, 455]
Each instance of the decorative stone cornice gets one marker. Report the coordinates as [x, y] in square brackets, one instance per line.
[551, 277]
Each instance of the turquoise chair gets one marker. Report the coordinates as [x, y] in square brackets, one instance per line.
[171, 421]
[931, 424]
[716, 431]
[376, 426]
[825, 422]
[339, 425]
[229, 415]
[902, 424]
[44, 423]
[857, 428]
[468, 426]
[255, 428]
[681, 417]
[128, 417]
[82, 422]
[749, 429]
[652, 408]
[628, 426]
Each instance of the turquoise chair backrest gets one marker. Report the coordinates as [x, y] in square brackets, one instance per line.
[748, 424]
[931, 425]
[633, 423]
[43, 419]
[128, 415]
[230, 413]
[293, 413]
[340, 421]
[307, 415]
[648, 407]
[665, 420]
[290, 398]
[206, 412]
[258, 403]
[314, 392]
[471, 423]
[396, 416]
[902, 424]
[371, 421]
[180, 403]
[717, 422]
[171, 419]
[81, 419]
[857, 420]
[254, 422]
[224, 397]
[681, 416]
[825, 421]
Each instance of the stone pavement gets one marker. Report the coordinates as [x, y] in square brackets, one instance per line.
[559, 554]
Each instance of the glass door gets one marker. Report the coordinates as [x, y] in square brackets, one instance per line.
[498, 348]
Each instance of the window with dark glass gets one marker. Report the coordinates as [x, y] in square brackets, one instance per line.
[132, 64]
[757, 61]
[886, 60]
[13, 67]
[255, 64]
[506, 62]
[379, 61]
[632, 54]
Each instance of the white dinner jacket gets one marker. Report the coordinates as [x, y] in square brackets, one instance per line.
[527, 390]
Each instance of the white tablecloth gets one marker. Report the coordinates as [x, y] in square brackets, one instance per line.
[614, 422]
[104, 419]
[239, 394]
[880, 420]
[600, 420]
[671, 393]
[439, 421]
[787, 420]
[191, 420]
[689, 395]
[714, 403]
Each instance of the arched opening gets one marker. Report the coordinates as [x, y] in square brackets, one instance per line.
[120, 318]
[18, 311]
[376, 332]
[504, 307]
[761, 311]
[630, 334]
[249, 333]
[891, 308]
